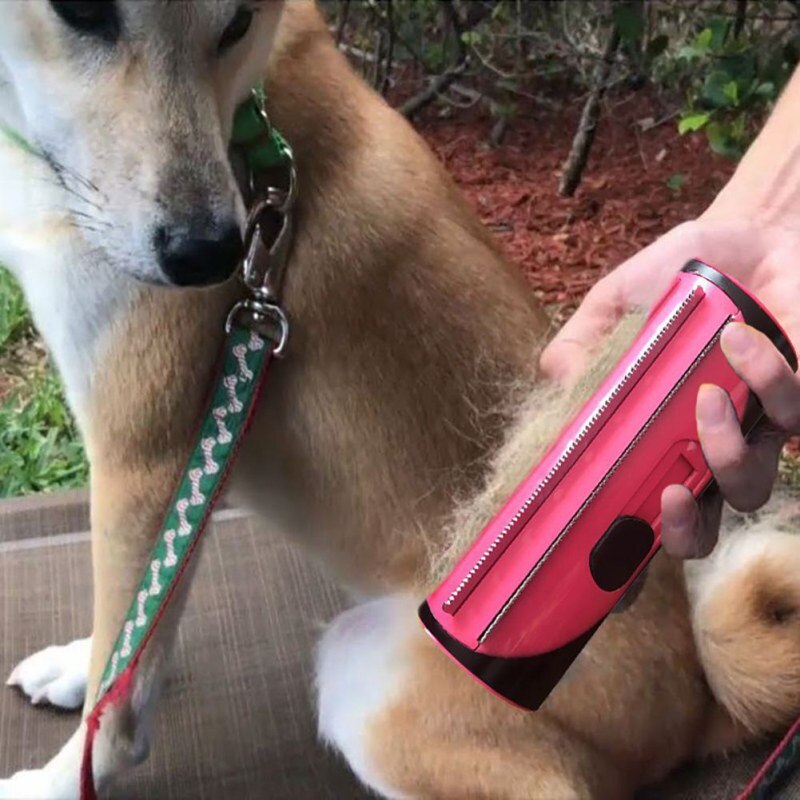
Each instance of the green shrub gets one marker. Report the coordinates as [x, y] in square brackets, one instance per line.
[732, 82]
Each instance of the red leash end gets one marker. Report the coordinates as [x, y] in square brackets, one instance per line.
[119, 691]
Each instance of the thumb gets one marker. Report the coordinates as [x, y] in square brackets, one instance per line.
[564, 358]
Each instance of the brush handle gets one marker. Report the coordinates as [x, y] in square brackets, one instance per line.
[544, 573]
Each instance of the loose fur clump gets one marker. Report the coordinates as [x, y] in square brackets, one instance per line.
[533, 427]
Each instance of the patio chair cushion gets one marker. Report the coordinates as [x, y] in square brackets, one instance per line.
[237, 718]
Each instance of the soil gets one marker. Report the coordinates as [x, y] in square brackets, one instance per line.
[623, 203]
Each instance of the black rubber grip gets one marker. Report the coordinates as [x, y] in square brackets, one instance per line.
[754, 315]
[525, 681]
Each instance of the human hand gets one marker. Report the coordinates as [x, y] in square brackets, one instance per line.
[762, 258]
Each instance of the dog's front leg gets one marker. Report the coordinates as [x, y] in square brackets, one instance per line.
[127, 506]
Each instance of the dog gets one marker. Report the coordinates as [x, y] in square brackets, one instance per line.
[408, 407]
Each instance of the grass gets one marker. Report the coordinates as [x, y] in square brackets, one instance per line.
[14, 321]
[40, 449]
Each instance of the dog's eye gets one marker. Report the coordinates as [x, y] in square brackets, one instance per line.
[236, 30]
[94, 17]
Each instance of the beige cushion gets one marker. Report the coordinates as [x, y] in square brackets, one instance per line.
[237, 719]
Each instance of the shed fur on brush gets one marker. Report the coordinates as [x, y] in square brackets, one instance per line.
[544, 410]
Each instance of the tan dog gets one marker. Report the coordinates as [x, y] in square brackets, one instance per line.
[413, 341]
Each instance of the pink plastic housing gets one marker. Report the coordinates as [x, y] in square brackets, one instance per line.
[534, 589]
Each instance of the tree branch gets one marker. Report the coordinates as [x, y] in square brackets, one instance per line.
[438, 85]
[587, 127]
[441, 82]
[344, 14]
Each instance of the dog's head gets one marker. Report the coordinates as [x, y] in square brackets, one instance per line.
[131, 103]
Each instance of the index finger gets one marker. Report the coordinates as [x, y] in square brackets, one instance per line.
[566, 355]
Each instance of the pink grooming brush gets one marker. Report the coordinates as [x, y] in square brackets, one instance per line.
[544, 573]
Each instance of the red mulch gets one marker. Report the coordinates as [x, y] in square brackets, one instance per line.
[622, 204]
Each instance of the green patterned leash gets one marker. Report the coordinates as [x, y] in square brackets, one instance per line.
[257, 330]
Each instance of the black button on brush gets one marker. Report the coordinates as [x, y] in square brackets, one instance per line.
[621, 549]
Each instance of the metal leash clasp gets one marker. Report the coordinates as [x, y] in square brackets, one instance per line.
[267, 241]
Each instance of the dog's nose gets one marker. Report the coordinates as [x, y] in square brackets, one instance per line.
[199, 260]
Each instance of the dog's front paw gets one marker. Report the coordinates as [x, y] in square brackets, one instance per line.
[55, 675]
[33, 784]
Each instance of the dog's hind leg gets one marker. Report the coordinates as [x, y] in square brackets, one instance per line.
[412, 725]
[746, 619]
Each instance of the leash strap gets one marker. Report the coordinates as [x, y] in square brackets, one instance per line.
[783, 761]
[225, 422]
[257, 330]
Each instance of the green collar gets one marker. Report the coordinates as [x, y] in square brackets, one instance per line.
[262, 145]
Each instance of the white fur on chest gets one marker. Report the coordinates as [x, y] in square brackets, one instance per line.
[73, 309]
[360, 671]
[72, 294]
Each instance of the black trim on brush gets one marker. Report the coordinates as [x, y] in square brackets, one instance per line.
[526, 681]
[752, 312]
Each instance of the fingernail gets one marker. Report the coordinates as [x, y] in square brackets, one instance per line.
[712, 406]
[738, 340]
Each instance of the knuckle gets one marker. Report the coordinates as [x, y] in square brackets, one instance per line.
[750, 499]
[787, 417]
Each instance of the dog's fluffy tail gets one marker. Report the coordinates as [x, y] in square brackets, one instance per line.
[746, 618]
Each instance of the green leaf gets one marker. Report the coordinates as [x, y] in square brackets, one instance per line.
[741, 67]
[675, 181]
[698, 48]
[721, 141]
[739, 128]
[713, 92]
[39, 445]
[766, 90]
[435, 55]
[703, 39]
[731, 91]
[693, 122]
[719, 27]
[629, 22]
[15, 323]
[499, 12]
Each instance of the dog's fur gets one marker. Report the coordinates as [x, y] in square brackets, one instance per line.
[412, 342]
